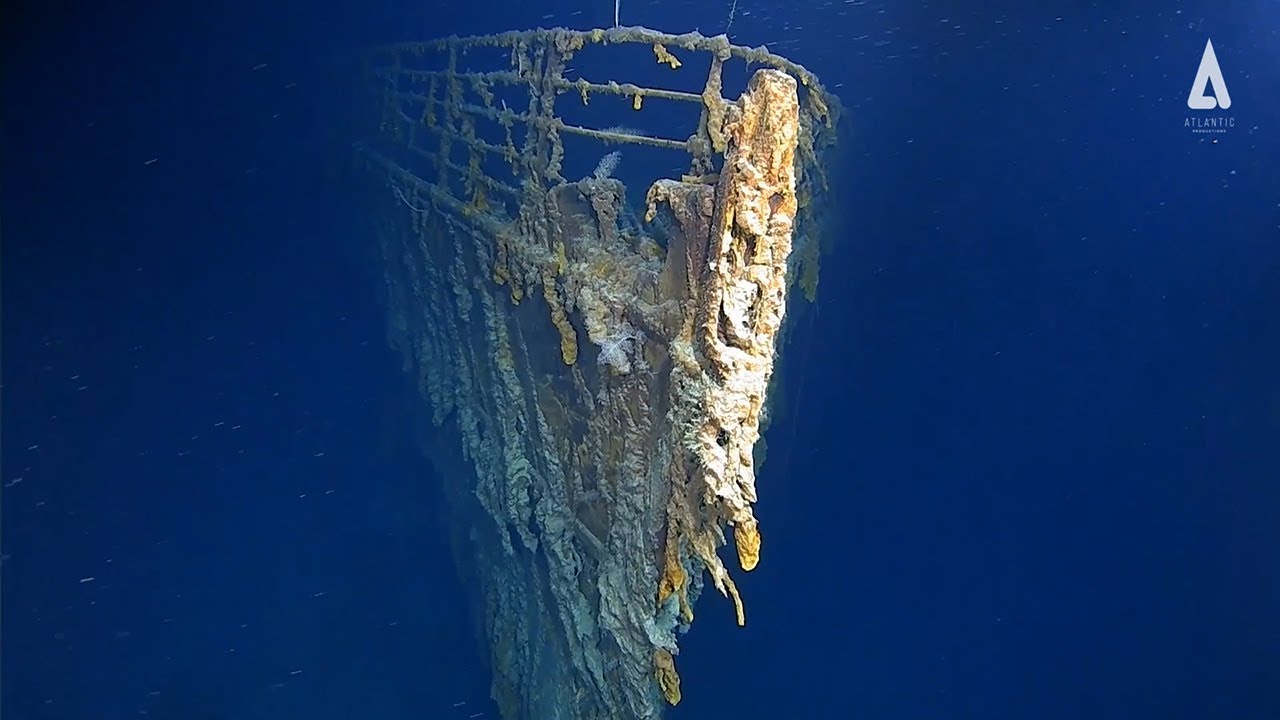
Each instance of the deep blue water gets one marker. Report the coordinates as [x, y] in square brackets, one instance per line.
[1029, 468]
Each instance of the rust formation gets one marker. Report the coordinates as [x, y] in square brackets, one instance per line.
[596, 364]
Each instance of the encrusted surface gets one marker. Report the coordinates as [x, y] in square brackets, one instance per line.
[597, 381]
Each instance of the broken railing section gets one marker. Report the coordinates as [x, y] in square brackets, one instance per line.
[620, 460]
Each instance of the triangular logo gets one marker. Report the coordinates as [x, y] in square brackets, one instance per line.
[1209, 72]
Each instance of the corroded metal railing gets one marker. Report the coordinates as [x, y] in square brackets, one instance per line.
[438, 111]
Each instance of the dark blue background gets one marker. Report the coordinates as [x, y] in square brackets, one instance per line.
[1029, 463]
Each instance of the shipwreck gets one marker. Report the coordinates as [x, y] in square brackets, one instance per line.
[596, 357]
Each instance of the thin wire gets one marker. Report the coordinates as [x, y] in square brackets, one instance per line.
[405, 200]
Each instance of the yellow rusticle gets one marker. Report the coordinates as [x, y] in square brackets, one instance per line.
[560, 318]
[664, 669]
[674, 581]
[747, 537]
[665, 56]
